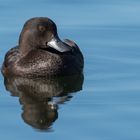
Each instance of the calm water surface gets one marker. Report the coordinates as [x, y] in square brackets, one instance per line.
[108, 106]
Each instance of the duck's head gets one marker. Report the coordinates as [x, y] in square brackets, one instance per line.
[40, 33]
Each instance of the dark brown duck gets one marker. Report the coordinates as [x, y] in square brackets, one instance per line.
[41, 53]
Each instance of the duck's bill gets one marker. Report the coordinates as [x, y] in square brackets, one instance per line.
[58, 45]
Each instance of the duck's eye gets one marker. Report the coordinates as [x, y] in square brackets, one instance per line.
[41, 28]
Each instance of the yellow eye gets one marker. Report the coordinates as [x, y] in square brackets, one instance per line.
[41, 28]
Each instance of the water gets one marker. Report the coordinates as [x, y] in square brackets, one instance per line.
[108, 106]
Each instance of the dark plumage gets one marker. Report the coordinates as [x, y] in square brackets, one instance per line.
[41, 53]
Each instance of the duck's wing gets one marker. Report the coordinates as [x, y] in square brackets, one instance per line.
[11, 56]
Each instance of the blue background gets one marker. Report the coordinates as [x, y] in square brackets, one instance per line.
[108, 33]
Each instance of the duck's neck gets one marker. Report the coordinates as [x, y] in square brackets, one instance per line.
[25, 46]
[25, 43]
[24, 49]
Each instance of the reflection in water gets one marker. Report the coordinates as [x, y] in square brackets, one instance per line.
[40, 97]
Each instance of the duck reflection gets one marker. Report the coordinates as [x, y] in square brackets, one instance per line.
[40, 97]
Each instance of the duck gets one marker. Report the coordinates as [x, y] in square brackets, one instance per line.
[40, 52]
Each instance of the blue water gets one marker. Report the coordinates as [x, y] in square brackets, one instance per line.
[108, 33]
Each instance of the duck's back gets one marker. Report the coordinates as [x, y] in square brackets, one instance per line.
[10, 59]
[43, 63]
